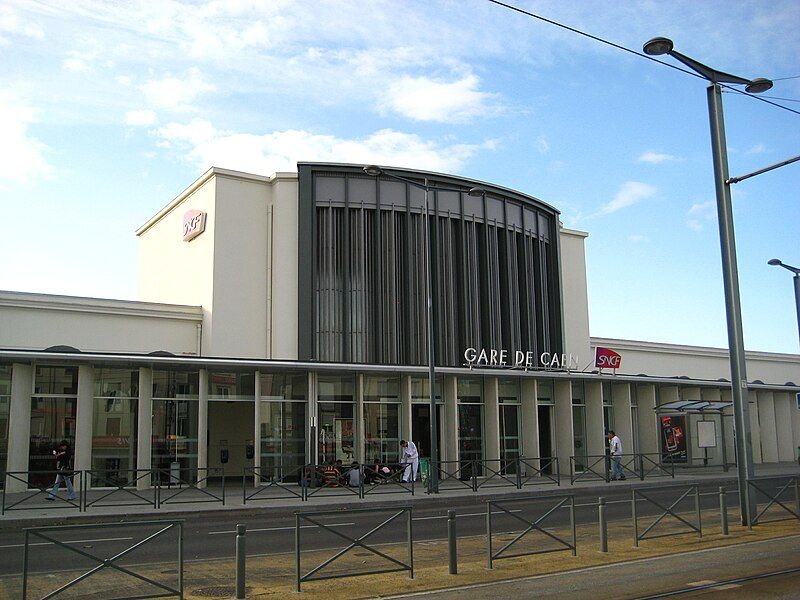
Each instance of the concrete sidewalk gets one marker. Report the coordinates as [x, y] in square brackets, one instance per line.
[124, 504]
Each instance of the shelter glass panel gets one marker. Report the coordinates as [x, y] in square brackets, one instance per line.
[283, 434]
[231, 386]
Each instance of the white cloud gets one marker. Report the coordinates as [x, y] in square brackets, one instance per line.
[700, 214]
[542, 146]
[176, 93]
[140, 117]
[11, 23]
[205, 146]
[655, 158]
[123, 80]
[757, 149]
[21, 155]
[630, 193]
[426, 99]
[77, 65]
[637, 238]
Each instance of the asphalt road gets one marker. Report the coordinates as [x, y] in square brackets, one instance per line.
[211, 535]
[712, 573]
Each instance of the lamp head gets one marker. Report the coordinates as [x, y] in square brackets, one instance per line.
[758, 85]
[658, 46]
[373, 170]
[476, 191]
[775, 262]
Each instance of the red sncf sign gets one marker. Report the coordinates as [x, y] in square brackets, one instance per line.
[606, 358]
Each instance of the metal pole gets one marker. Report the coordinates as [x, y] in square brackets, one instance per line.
[572, 526]
[797, 301]
[489, 534]
[180, 558]
[241, 558]
[410, 534]
[634, 519]
[697, 511]
[601, 517]
[433, 475]
[451, 541]
[741, 410]
[297, 551]
[723, 511]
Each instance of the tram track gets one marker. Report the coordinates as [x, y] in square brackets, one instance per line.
[719, 584]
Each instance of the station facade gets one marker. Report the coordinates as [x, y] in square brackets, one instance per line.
[282, 321]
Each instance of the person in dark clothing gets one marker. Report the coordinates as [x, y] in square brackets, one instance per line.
[63, 456]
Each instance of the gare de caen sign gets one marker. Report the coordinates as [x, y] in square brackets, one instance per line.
[518, 359]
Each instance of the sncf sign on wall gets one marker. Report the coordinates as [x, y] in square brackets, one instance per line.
[606, 358]
[194, 223]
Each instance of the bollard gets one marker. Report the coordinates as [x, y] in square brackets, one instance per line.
[451, 541]
[601, 515]
[241, 530]
[723, 511]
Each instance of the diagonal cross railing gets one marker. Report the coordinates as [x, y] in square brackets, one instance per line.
[498, 473]
[494, 508]
[453, 474]
[774, 498]
[637, 495]
[12, 502]
[381, 482]
[111, 562]
[115, 485]
[354, 542]
[275, 482]
[537, 470]
[173, 486]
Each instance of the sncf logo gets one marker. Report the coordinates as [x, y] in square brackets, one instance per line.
[605, 358]
[194, 223]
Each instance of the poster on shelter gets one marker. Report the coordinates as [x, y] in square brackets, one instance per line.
[673, 438]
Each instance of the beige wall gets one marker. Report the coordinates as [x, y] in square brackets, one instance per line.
[39, 321]
[576, 299]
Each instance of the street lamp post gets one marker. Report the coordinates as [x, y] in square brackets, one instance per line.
[775, 262]
[744, 448]
[376, 171]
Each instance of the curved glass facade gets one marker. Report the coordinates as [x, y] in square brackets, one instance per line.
[362, 270]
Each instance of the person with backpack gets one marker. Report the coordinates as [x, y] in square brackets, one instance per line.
[63, 457]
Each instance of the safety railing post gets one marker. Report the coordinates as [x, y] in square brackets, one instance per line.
[410, 542]
[797, 494]
[697, 511]
[571, 470]
[641, 466]
[572, 525]
[297, 552]
[489, 534]
[473, 465]
[451, 542]
[723, 511]
[25, 568]
[241, 557]
[558, 472]
[223, 488]
[518, 463]
[180, 559]
[634, 519]
[601, 518]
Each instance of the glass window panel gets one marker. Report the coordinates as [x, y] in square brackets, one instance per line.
[231, 386]
[114, 430]
[509, 437]
[420, 390]
[332, 388]
[284, 386]
[377, 389]
[382, 432]
[470, 432]
[118, 383]
[56, 381]
[283, 435]
[607, 393]
[335, 424]
[508, 391]
[470, 390]
[52, 420]
[544, 391]
[175, 435]
[578, 393]
[175, 384]
[5, 407]
[579, 436]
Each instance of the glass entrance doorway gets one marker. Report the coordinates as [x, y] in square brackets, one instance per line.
[421, 428]
[231, 426]
[545, 414]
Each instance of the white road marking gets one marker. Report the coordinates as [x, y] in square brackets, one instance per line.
[280, 528]
[119, 539]
[702, 582]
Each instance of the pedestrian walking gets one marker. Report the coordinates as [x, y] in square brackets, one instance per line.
[411, 460]
[615, 447]
[63, 457]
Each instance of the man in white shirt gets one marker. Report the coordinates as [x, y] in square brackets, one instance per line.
[411, 460]
[615, 446]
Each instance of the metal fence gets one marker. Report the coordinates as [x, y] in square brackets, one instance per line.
[638, 495]
[531, 524]
[274, 482]
[114, 484]
[33, 492]
[189, 486]
[636, 466]
[48, 535]
[492, 473]
[353, 542]
[784, 487]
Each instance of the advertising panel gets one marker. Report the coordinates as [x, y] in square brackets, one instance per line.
[673, 438]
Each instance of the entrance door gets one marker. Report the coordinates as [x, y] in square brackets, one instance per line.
[545, 436]
[230, 432]
[421, 428]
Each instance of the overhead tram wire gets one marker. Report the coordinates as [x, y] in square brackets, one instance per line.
[636, 52]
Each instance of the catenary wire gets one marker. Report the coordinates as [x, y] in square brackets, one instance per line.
[636, 52]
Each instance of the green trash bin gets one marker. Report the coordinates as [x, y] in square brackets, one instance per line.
[424, 470]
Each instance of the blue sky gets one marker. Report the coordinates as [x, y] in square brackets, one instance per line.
[108, 110]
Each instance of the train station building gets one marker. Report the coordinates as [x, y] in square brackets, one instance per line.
[282, 320]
